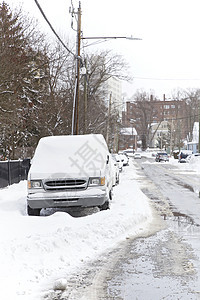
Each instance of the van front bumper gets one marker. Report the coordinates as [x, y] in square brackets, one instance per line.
[85, 198]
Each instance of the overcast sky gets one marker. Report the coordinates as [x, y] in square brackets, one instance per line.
[167, 58]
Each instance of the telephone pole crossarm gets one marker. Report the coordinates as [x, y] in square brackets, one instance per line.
[110, 38]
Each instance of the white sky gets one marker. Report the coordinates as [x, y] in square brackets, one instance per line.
[170, 46]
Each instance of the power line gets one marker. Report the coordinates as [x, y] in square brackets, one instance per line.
[181, 118]
[167, 79]
[43, 14]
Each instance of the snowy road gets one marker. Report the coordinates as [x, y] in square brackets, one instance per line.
[178, 184]
[165, 265]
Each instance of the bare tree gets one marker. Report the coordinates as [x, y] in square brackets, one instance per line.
[100, 67]
[143, 115]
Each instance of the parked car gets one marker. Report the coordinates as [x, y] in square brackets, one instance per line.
[70, 171]
[137, 156]
[153, 154]
[162, 156]
[193, 158]
[129, 152]
[115, 171]
[124, 159]
[183, 155]
[119, 161]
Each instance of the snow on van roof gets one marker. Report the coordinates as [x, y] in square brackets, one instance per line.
[70, 154]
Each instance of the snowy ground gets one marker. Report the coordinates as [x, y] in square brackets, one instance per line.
[37, 253]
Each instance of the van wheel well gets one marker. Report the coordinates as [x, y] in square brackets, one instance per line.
[33, 211]
[105, 206]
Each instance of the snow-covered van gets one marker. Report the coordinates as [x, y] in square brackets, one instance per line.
[70, 171]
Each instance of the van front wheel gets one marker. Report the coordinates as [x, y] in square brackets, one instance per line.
[110, 194]
[33, 211]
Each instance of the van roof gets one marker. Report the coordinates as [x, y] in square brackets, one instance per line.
[72, 154]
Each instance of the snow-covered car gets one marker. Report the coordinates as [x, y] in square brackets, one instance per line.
[115, 171]
[124, 159]
[193, 158]
[70, 171]
[183, 155]
[129, 152]
[119, 161]
[161, 156]
[137, 156]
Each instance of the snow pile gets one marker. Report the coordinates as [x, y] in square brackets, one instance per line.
[193, 164]
[37, 252]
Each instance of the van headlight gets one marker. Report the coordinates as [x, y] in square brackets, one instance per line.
[96, 181]
[34, 184]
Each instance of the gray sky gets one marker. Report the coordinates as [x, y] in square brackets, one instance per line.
[167, 58]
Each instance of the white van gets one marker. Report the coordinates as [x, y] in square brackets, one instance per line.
[70, 171]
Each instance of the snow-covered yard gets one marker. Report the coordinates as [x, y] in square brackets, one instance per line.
[37, 252]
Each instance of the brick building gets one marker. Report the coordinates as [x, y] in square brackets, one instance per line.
[142, 115]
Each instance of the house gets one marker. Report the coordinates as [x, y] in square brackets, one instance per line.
[194, 144]
[159, 134]
[128, 138]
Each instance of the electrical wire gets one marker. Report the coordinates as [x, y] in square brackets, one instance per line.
[44, 16]
[167, 79]
[182, 118]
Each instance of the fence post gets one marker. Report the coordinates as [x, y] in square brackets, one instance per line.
[9, 173]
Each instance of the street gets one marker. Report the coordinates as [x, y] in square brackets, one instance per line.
[163, 263]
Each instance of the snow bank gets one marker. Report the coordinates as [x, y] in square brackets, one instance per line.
[35, 251]
[193, 165]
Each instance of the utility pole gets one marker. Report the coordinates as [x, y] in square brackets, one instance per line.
[109, 113]
[199, 128]
[85, 98]
[75, 113]
[171, 136]
[75, 109]
[78, 66]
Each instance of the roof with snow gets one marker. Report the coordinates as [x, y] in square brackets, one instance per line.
[128, 131]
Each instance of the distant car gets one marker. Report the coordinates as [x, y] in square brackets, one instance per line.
[137, 156]
[183, 155]
[162, 156]
[129, 152]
